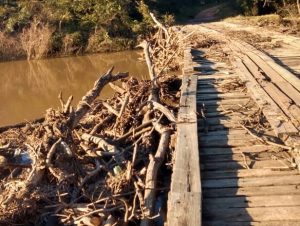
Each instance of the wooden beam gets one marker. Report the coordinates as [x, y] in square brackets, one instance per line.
[184, 202]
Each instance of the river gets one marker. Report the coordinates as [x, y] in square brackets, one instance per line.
[28, 88]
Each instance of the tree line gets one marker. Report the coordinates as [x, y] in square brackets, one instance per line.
[72, 26]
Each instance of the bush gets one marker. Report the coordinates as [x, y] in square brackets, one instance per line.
[72, 43]
[102, 42]
[10, 47]
[36, 40]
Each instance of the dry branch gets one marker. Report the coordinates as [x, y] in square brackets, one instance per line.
[84, 105]
[152, 170]
[117, 88]
[123, 106]
[100, 142]
[110, 108]
[160, 25]
[164, 110]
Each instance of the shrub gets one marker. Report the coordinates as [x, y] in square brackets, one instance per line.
[36, 40]
[10, 47]
[72, 42]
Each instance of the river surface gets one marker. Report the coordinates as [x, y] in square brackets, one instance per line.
[28, 88]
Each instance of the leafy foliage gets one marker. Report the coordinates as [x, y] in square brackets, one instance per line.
[76, 23]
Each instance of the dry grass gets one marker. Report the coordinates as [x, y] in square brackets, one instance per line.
[10, 47]
[289, 25]
[36, 40]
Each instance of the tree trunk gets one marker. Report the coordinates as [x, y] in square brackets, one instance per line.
[59, 26]
[284, 3]
[298, 5]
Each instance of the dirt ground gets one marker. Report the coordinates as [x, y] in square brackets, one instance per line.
[279, 38]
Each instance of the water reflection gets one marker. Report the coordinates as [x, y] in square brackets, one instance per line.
[28, 88]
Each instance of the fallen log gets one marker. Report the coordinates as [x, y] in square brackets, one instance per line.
[152, 170]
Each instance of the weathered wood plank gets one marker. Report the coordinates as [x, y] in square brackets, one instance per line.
[224, 120]
[224, 142]
[252, 191]
[223, 96]
[240, 132]
[184, 200]
[239, 157]
[210, 204]
[273, 113]
[246, 173]
[217, 127]
[252, 182]
[223, 102]
[230, 108]
[279, 97]
[274, 70]
[249, 223]
[255, 214]
[236, 150]
[184, 209]
[235, 165]
[216, 76]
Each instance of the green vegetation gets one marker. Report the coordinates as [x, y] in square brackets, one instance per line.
[260, 7]
[62, 27]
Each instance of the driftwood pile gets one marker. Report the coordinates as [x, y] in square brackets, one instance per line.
[101, 162]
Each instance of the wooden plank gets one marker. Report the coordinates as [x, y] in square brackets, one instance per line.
[245, 173]
[185, 192]
[255, 214]
[224, 132]
[215, 114]
[251, 201]
[228, 135]
[223, 102]
[213, 79]
[224, 120]
[269, 65]
[215, 90]
[240, 132]
[224, 142]
[239, 157]
[223, 96]
[228, 108]
[217, 127]
[252, 191]
[184, 208]
[201, 71]
[209, 91]
[252, 182]
[273, 113]
[279, 97]
[235, 165]
[186, 154]
[246, 149]
[248, 223]
[217, 76]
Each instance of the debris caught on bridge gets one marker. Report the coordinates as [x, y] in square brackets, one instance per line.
[97, 163]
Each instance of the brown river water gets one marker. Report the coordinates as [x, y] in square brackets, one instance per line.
[28, 88]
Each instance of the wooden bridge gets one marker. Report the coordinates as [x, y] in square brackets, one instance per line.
[238, 141]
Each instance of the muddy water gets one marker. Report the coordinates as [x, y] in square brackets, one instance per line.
[27, 89]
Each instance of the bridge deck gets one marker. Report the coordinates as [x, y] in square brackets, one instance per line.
[243, 180]
[245, 111]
